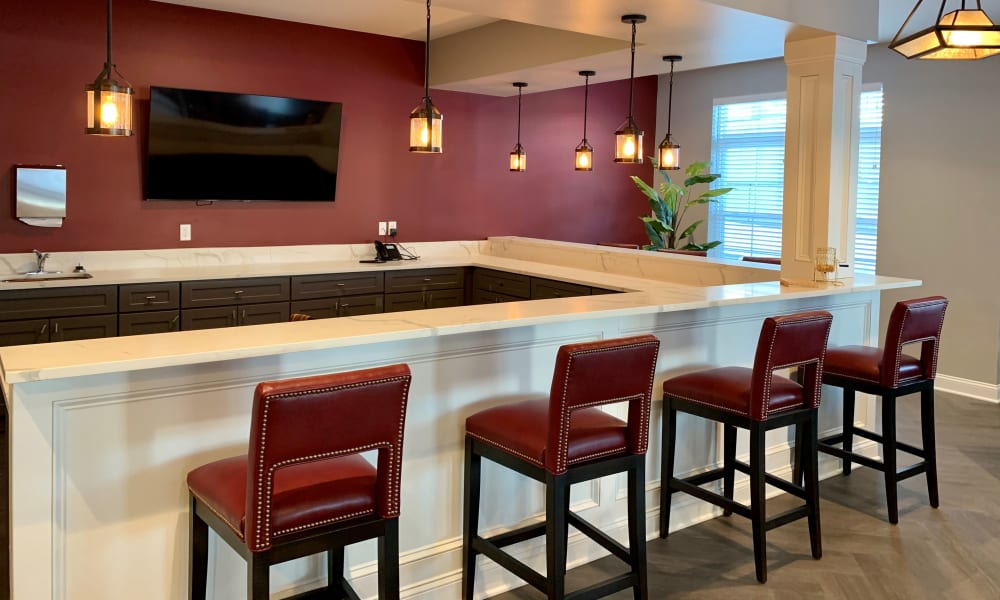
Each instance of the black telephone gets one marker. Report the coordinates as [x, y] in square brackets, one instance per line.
[386, 252]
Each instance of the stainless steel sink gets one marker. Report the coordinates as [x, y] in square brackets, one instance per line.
[47, 276]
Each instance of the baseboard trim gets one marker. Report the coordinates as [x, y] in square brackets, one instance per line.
[969, 388]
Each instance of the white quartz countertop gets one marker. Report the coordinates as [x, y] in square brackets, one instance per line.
[20, 364]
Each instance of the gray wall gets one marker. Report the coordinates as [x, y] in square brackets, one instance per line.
[939, 212]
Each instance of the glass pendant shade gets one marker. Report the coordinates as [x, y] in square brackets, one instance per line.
[584, 157]
[426, 121]
[959, 35]
[668, 155]
[425, 128]
[628, 143]
[109, 102]
[518, 159]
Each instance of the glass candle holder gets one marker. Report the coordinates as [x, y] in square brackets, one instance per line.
[825, 268]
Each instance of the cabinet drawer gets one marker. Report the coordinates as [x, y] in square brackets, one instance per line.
[16, 333]
[420, 280]
[65, 329]
[422, 300]
[485, 297]
[509, 284]
[195, 294]
[208, 318]
[307, 287]
[549, 288]
[34, 304]
[258, 314]
[148, 297]
[139, 323]
[339, 307]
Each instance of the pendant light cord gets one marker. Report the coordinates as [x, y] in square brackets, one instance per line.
[427, 55]
[670, 97]
[631, 76]
[108, 64]
[586, 94]
[519, 118]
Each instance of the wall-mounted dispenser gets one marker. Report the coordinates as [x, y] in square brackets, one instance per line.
[41, 195]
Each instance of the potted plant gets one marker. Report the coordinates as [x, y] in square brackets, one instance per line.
[671, 202]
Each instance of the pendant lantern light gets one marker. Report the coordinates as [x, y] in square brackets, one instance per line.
[109, 102]
[518, 158]
[628, 138]
[426, 120]
[585, 152]
[963, 34]
[668, 155]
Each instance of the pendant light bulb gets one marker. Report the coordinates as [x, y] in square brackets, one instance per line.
[668, 154]
[426, 120]
[584, 156]
[963, 34]
[628, 138]
[109, 101]
[518, 158]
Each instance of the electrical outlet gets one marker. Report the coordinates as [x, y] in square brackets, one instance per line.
[185, 232]
[392, 229]
[381, 228]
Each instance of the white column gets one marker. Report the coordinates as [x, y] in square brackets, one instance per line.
[821, 152]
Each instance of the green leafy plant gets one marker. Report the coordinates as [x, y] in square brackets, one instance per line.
[671, 202]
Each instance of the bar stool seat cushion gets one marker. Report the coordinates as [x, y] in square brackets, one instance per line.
[305, 495]
[521, 428]
[865, 362]
[728, 388]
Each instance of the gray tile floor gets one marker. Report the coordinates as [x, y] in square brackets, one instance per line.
[948, 553]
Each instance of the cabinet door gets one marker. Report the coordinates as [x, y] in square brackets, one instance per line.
[308, 287]
[327, 308]
[258, 314]
[208, 318]
[144, 297]
[58, 302]
[549, 288]
[421, 280]
[222, 292]
[444, 298]
[485, 297]
[500, 282]
[64, 329]
[404, 301]
[159, 321]
[368, 304]
[596, 291]
[15, 333]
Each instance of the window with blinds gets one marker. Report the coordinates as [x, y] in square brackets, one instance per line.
[748, 150]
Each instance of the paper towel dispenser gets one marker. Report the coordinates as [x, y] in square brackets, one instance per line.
[41, 194]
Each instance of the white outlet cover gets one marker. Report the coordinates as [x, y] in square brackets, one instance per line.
[185, 233]
[382, 230]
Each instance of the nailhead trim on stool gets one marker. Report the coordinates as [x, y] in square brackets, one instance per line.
[561, 440]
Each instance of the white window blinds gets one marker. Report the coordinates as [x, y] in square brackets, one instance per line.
[748, 150]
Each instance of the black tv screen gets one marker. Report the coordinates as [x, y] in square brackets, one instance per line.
[220, 146]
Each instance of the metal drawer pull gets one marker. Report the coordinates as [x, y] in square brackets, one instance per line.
[149, 299]
[427, 279]
[44, 327]
[340, 284]
[173, 322]
[237, 292]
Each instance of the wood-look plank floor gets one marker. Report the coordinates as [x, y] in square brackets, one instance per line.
[948, 553]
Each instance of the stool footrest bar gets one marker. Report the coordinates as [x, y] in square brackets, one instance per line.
[861, 460]
[911, 470]
[521, 534]
[786, 517]
[721, 501]
[706, 477]
[602, 589]
[505, 560]
[785, 486]
[600, 537]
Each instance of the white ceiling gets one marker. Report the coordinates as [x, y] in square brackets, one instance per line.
[484, 45]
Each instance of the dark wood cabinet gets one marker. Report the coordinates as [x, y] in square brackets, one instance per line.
[222, 292]
[308, 287]
[550, 288]
[140, 323]
[421, 300]
[489, 286]
[16, 333]
[424, 280]
[214, 317]
[144, 297]
[260, 314]
[58, 302]
[347, 306]
[65, 329]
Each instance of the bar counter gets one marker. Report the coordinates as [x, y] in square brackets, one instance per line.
[104, 431]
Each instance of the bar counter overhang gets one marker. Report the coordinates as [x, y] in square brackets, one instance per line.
[104, 431]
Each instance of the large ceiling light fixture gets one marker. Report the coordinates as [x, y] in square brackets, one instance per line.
[963, 34]
[426, 119]
[585, 152]
[628, 138]
[518, 158]
[109, 102]
[668, 155]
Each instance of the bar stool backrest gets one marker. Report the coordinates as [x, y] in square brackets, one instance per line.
[797, 340]
[918, 320]
[308, 419]
[596, 373]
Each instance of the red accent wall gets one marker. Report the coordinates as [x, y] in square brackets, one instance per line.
[51, 52]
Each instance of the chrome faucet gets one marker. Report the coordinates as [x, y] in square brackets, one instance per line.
[41, 257]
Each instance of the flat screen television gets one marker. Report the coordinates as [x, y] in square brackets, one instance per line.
[206, 145]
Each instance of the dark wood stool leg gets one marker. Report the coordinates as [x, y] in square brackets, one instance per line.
[198, 557]
[848, 428]
[556, 491]
[929, 443]
[757, 494]
[800, 436]
[637, 527]
[889, 455]
[470, 518]
[258, 578]
[809, 459]
[667, 435]
[388, 561]
[335, 572]
[728, 463]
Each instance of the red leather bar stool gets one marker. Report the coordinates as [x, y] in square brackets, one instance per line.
[303, 488]
[757, 400]
[889, 373]
[562, 440]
